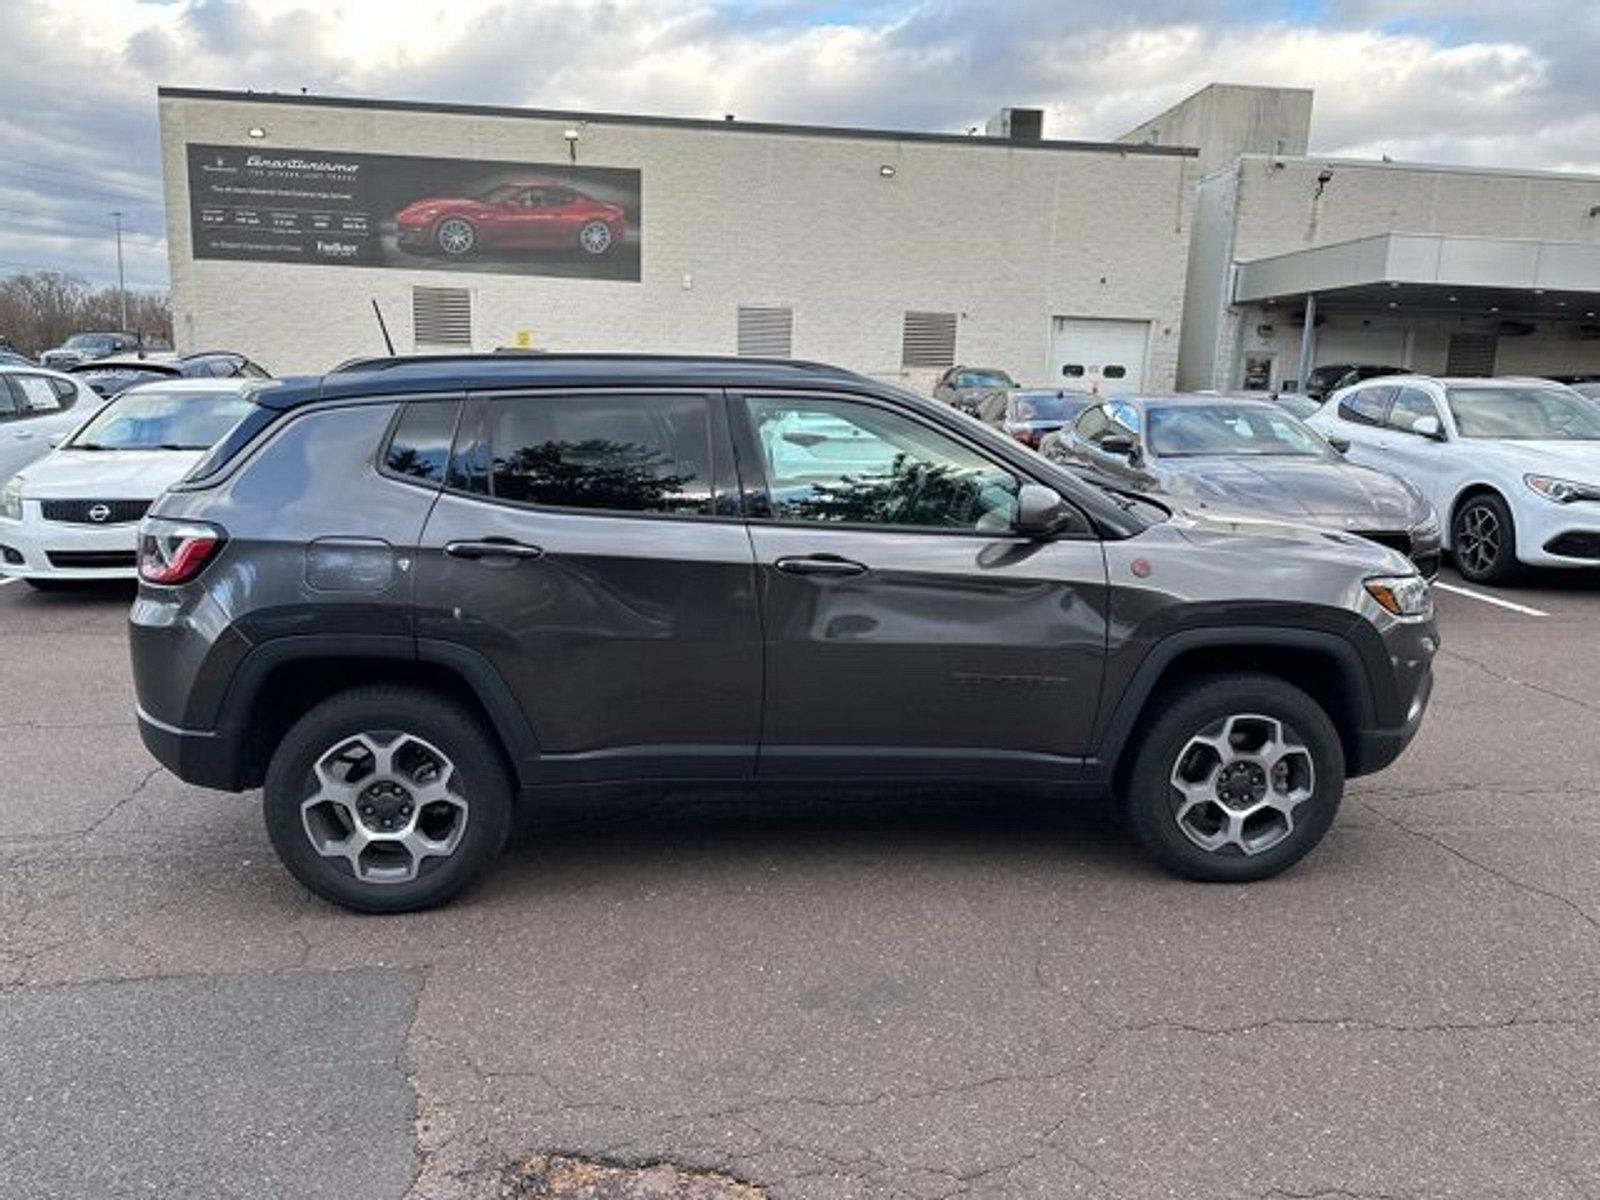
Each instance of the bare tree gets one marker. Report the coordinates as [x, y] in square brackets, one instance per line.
[40, 309]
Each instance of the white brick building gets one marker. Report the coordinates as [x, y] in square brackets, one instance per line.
[1036, 254]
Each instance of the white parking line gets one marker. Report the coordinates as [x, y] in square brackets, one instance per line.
[1495, 600]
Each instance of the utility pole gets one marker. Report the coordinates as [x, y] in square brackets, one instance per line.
[122, 287]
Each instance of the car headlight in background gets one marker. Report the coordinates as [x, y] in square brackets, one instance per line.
[1402, 595]
[11, 500]
[1562, 491]
[1427, 529]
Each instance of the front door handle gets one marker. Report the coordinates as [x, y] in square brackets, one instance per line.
[820, 564]
[493, 548]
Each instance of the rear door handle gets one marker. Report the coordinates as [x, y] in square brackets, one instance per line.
[493, 548]
[820, 564]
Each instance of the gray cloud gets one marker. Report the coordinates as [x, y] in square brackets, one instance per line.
[1477, 81]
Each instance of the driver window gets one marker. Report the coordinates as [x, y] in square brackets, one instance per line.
[1410, 406]
[850, 463]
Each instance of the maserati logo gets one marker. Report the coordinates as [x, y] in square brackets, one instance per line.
[99, 513]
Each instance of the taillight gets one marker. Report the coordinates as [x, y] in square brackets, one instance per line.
[1028, 437]
[174, 552]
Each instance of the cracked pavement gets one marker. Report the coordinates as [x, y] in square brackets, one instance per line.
[910, 996]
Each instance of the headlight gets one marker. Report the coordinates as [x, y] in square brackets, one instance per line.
[1562, 491]
[1426, 528]
[11, 501]
[1402, 595]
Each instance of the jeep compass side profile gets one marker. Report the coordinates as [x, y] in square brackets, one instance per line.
[399, 598]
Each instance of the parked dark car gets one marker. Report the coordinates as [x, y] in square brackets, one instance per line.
[1251, 459]
[1032, 414]
[511, 216]
[111, 377]
[83, 347]
[1324, 381]
[397, 599]
[10, 358]
[967, 388]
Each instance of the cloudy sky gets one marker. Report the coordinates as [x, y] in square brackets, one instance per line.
[1503, 82]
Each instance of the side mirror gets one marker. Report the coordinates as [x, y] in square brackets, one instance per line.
[1040, 511]
[1342, 445]
[1428, 427]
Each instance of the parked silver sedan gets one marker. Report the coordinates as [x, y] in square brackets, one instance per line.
[1251, 459]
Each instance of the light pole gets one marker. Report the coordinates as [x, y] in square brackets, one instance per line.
[122, 287]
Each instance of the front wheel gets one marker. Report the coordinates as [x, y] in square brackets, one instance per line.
[595, 237]
[387, 799]
[1483, 540]
[455, 236]
[1237, 779]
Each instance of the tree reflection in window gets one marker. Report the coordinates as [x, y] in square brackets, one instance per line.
[596, 473]
[913, 493]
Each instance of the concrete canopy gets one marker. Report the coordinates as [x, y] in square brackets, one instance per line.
[1435, 272]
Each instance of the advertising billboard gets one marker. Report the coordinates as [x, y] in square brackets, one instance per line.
[264, 204]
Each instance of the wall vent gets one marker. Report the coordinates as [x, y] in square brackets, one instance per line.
[928, 339]
[441, 316]
[766, 331]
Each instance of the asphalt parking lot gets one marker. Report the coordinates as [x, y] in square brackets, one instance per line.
[901, 997]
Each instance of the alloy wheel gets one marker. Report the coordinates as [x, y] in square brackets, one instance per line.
[1478, 539]
[1237, 784]
[456, 236]
[595, 237]
[384, 803]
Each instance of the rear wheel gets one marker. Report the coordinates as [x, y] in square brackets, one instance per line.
[387, 799]
[1483, 539]
[1236, 779]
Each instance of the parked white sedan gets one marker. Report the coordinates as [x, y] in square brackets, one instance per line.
[38, 408]
[74, 514]
[1512, 465]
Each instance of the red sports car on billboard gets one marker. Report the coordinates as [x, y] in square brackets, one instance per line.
[512, 216]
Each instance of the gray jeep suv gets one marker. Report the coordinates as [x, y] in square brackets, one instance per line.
[398, 598]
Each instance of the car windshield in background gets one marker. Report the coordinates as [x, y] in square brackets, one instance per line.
[1047, 406]
[89, 341]
[984, 379]
[156, 419]
[1192, 430]
[1523, 414]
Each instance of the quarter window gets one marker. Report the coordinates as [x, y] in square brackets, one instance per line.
[1367, 406]
[840, 462]
[631, 454]
[420, 448]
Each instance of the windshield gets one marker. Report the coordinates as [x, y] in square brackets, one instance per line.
[154, 418]
[1049, 406]
[985, 379]
[500, 193]
[89, 341]
[1523, 414]
[1191, 430]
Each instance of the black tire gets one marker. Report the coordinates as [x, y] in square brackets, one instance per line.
[1478, 517]
[1151, 803]
[485, 782]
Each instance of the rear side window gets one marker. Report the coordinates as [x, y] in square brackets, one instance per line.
[37, 393]
[420, 447]
[1367, 406]
[10, 404]
[626, 454]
